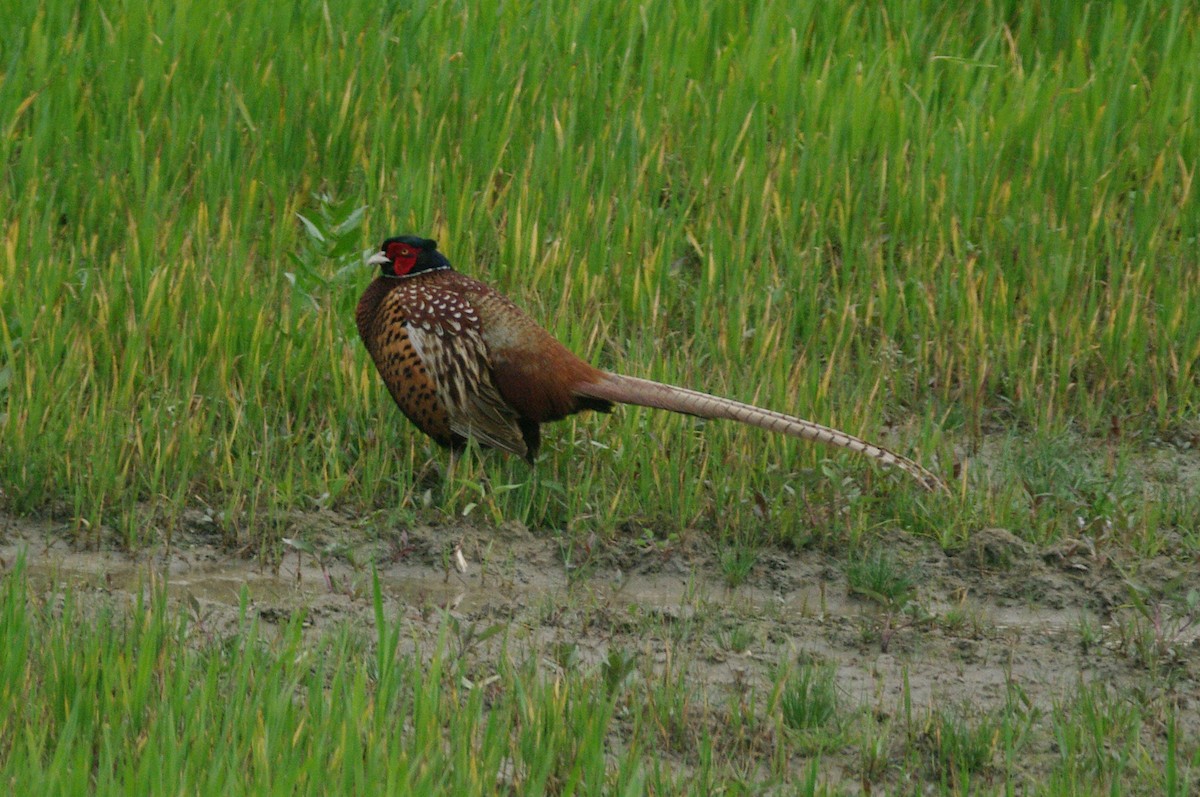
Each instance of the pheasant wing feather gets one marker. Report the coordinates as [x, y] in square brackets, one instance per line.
[456, 357]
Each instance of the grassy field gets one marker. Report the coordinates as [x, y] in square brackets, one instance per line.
[972, 235]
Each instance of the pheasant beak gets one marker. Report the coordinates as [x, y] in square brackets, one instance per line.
[378, 259]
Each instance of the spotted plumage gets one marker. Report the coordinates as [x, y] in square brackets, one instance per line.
[462, 362]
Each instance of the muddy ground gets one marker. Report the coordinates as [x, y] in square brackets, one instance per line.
[997, 614]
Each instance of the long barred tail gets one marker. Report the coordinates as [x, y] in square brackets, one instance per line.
[645, 393]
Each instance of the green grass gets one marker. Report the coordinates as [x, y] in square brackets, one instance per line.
[876, 576]
[809, 701]
[101, 696]
[149, 702]
[878, 216]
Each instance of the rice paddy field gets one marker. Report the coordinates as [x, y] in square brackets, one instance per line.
[970, 234]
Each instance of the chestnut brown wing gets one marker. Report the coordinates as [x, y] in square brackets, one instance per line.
[534, 373]
[445, 333]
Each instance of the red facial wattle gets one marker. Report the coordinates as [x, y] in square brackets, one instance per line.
[403, 258]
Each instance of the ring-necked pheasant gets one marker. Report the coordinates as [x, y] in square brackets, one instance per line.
[463, 361]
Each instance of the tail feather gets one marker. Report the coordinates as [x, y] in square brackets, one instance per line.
[645, 393]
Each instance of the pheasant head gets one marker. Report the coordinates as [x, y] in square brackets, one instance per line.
[406, 255]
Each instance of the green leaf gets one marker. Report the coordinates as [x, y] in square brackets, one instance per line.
[351, 222]
[314, 231]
